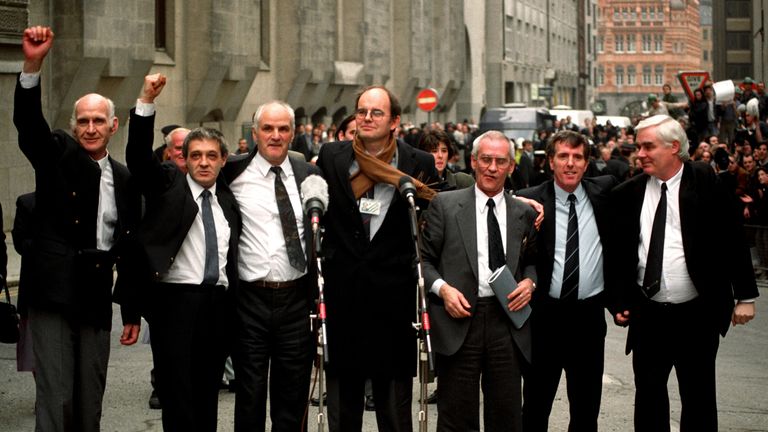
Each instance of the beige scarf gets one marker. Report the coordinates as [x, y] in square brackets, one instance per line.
[378, 169]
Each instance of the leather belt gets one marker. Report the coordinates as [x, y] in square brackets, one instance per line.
[273, 284]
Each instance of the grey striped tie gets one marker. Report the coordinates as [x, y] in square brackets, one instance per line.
[570, 287]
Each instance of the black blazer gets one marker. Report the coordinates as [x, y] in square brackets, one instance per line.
[598, 190]
[23, 234]
[170, 208]
[719, 263]
[370, 284]
[70, 274]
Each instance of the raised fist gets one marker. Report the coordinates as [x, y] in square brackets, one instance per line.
[153, 85]
[35, 43]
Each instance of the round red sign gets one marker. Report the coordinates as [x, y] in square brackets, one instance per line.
[427, 99]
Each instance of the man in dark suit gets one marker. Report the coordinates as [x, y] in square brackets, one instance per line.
[468, 235]
[368, 270]
[190, 264]
[273, 344]
[85, 217]
[672, 297]
[568, 319]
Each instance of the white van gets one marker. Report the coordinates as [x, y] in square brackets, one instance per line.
[577, 116]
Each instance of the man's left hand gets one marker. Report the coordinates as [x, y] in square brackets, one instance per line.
[743, 313]
[130, 334]
[521, 296]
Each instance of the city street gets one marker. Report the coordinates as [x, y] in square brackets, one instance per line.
[742, 381]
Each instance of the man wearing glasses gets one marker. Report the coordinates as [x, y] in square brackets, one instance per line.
[469, 234]
[370, 281]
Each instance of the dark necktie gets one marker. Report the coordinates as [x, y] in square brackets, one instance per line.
[569, 290]
[288, 221]
[495, 245]
[652, 277]
[211, 272]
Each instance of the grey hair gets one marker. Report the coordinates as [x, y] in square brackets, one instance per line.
[110, 111]
[204, 133]
[668, 130]
[260, 110]
[169, 138]
[493, 135]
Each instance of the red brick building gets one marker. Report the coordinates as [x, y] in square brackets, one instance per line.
[643, 44]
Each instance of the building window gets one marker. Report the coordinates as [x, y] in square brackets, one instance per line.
[160, 25]
[619, 76]
[704, 34]
[631, 75]
[619, 43]
[738, 40]
[631, 43]
[660, 13]
[643, 13]
[652, 13]
[737, 8]
[616, 14]
[705, 55]
[633, 14]
[600, 43]
[658, 43]
[600, 76]
[646, 75]
[624, 14]
[646, 43]
[659, 75]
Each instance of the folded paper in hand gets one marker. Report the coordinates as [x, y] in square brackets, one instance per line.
[503, 283]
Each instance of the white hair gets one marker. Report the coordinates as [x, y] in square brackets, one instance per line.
[668, 130]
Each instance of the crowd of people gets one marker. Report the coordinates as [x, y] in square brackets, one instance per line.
[524, 246]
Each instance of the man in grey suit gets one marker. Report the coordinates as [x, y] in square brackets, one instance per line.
[470, 233]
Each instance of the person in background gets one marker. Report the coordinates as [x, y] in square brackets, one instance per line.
[438, 144]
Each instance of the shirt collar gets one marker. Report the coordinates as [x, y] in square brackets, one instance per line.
[562, 196]
[673, 183]
[481, 199]
[263, 166]
[103, 161]
[197, 189]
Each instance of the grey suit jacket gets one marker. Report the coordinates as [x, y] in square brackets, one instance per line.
[449, 250]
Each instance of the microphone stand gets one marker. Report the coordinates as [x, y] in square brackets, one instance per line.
[322, 336]
[426, 357]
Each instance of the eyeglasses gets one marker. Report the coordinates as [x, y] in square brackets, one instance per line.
[486, 160]
[375, 113]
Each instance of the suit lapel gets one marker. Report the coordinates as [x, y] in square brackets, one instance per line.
[466, 221]
[342, 170]
[687, 203]
[549, 228]
[514, 234]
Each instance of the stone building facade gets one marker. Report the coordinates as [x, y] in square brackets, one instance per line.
[740, 46]
[642, 45]
[223, 58]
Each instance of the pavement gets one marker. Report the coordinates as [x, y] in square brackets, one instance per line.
[742, 373]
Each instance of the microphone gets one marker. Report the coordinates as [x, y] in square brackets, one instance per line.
[408, 190]
[314, 198]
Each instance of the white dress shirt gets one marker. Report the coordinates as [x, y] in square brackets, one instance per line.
[676, 283]
[263, 252]
[591, 280]
[481, 226]
[189, 264]
[106, 216]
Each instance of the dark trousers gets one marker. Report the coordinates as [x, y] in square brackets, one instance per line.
[684, 337]
[346, 400]
[273, 349]
[190, 327]
[489, 358]
[70, 372]
[566, 337]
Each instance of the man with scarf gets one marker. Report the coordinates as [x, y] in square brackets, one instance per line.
[369, 266]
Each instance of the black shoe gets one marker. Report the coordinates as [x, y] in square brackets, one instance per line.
[369, 404]
[232, 386]
[432, 398]
[154, 401]
[316, 402]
